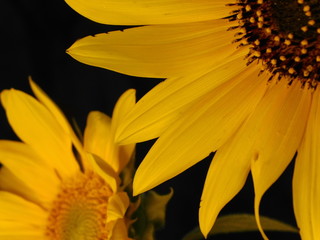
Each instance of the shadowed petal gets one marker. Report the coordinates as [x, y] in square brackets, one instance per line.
[278, 124]
[143, 12]
[23, 172]
[306, 180]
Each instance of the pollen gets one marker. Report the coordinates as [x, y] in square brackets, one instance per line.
[285, 33]
[79, 211]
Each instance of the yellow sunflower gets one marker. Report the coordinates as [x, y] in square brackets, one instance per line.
[52, 187]
[242, 79]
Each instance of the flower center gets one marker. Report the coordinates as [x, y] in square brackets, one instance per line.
[79, 211]
[284, 35]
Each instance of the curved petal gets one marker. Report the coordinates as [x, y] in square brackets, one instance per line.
[99, 140]
[165, 103]
[117, 206]
[120, 231]
[279, 123]
[104, 170]
[158, 51]
[125, 104]
[226, 177]
[306, 179]
[24, 173]
[205, 127]
[56, 112]
[143, 12]
[99, 133]
[16, 209]
[37, 127]
[267, 141]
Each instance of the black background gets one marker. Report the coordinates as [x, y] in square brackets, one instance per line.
[34, 37]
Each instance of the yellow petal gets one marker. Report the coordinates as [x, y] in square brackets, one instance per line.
[56, 112]
[226, 176]
[267, 141]
[306, 180]
[276, 128]
[16, 209]
[143, 12]
[164, 104]
[125, 104]
[99, 140]
[212, 120]
[36, 126]
[19, 231]
[120, 231]
[24, 173]
[104, 170]
[117, 206]
[159, 51]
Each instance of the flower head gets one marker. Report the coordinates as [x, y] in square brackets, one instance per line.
[242, 80]
[55, 187]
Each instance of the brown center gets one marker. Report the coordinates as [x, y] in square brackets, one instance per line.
[284, 35]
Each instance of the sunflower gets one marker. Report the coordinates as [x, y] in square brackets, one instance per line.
[241, 80]
[52, 186]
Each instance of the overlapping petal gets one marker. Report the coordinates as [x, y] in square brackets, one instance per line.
[123, 106]
[56, 112]
[34, 171]
[209, 121]
[306, 180]
[158, 51]
[143, 12]
[99, 134]
[266, 142]
[37, 127]
[23, 163]
[99, 140]
[225, 178]
[279, 123]
[8, 230]
[164, 104]
[16, 209]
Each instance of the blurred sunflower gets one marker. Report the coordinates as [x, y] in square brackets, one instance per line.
[50, 191]
[242, 80]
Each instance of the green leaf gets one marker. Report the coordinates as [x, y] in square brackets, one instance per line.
[237, 223]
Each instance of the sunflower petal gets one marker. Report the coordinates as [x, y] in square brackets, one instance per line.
[37, 127]
[278, 125]
[56, 112]
[143, 12]
[117, 206]
[226, 176]
[272, 132]
[163, 105]
[99, 140]
[105, 171]
[24, 173]
[125, 104]
[306, 180]
[120, 231]
[19, 231]
[210, 120]
[159, 51]
[16, 209]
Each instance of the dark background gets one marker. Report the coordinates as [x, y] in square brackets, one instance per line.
[34, 37]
